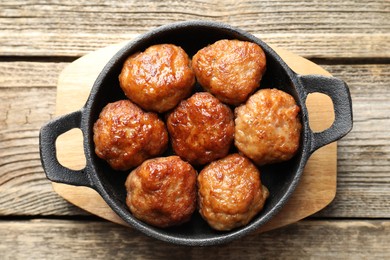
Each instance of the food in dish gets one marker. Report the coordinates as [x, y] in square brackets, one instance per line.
[230, 192]
[158, 78]
[165, 191]
[230, 69]
[267, 127]
[201, 129]
[162, 191]
[125, 135]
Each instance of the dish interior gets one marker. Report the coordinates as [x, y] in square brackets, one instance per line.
[277, 178]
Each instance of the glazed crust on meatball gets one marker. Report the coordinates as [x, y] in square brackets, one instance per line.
[201, 129]
[125, 135]
[230, 69]
[162, 191]
[158, 78]
[230, 192]
[268, 127]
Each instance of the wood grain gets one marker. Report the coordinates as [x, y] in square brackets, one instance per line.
[363, 165]
[27, 91]
[56, 239]
[364, 154]
[350, 39]
[39, 38]
[309, 28]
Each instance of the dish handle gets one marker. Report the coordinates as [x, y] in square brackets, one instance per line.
[339, 93]
[47, 138]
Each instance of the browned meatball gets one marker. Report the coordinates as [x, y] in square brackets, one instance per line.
[230, 192]
[158, 78]
[201, 129]
[125, 135]
[268, 127]
[162, 191]
[230, 69]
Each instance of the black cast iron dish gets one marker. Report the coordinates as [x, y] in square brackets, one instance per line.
[281, 179]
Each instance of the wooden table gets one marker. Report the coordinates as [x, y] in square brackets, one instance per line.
[350, 39]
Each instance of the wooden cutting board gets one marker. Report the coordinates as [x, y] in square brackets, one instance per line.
[316, 189]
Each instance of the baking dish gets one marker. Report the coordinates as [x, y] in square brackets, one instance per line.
[281, 179]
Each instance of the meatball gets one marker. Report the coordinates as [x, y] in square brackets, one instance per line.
[201, 129]
[230, 192]
[268, 127]
[158, 78]
[125, 135]
[230, 69]
[162, 191]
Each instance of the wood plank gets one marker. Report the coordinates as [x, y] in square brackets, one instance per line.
[56, 239]
[27, 91]
[22, 74]
[309, 28]
[269, 16]
[363, 166]
[364, 154]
